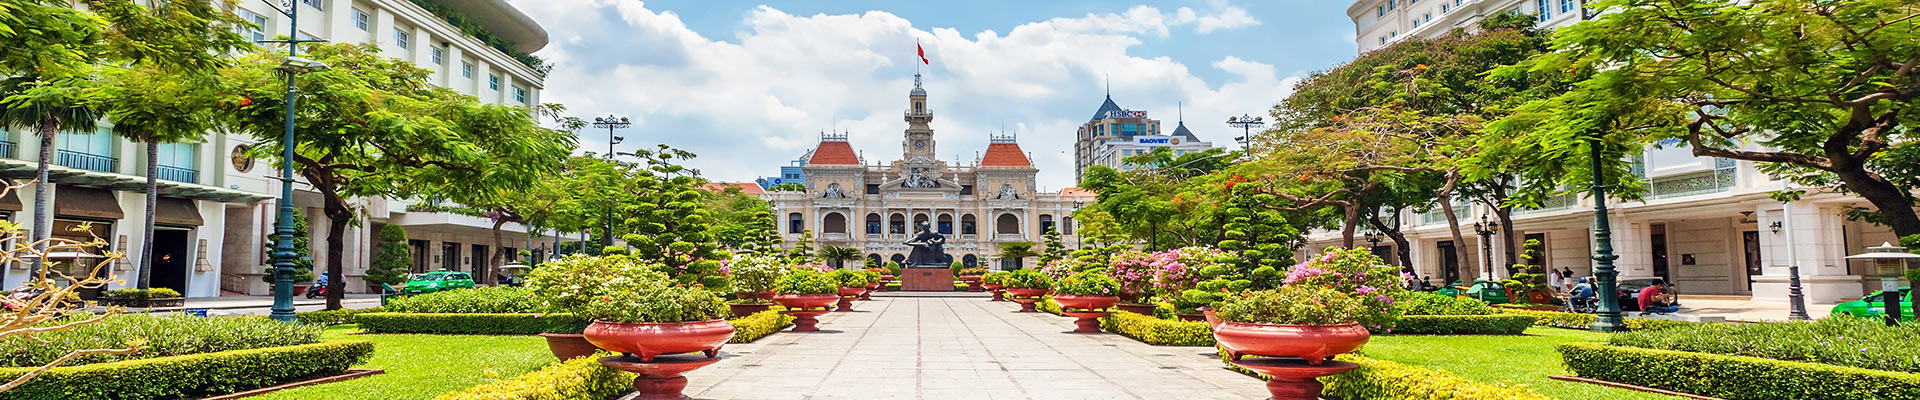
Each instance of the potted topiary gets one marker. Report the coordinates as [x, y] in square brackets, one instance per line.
[995, 282]
[1313, 323]
[1027, 287]
[852, 284]
[753, 278]
[806, 294]
[873, 283]
[650, 315]
[1086, 296]
[972, 277]
[882, 276]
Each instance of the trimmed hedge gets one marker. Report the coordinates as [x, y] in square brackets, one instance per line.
[579, 378]
[1463, 324]
[1158, 332]
[1735, 377]
[480, 300]
[1381, 379]
[163, 335]
[1583, 321]
[1046, 305]
[190, 376]
[334, 317]
[753, 327]
[468, 324]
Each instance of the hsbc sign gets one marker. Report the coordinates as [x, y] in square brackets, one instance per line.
[1126, 114]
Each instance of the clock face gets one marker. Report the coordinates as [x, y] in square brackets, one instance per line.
[918, 144]
[241, 161]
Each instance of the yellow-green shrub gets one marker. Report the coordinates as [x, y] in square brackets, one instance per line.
[1735, 377]
[1159, 332]
[189, 376]
[753, 327]
[1381, 379]
[579, 378]
[1582, 321]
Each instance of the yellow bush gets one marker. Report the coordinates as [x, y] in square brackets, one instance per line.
[579, 378]
[1159, 332]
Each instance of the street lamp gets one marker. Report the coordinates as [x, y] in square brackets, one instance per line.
[1891, 262]
[610, 123]
[1486, 229]
[1246, 123]
[1607, 318]
[283, 252]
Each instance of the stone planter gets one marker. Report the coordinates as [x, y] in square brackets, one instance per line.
[1136, 308]
[1294, 379]
[648, 339]
[1191, 317]
[847, 294]
[569, 346]
[972, 281]
[805, 308]
[754, 297]
[999, 291]
[871, 287]
[658, 380]
[300, 289]
[1085, 302]
[1027, 296]
[1313, 343]
[745, 309]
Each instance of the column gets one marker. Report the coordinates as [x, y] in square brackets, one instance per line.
[1813, 235]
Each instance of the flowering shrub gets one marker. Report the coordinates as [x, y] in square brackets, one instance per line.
[755, 273]
[1028, 279]
[574, 281]
[1182, 269]
[1135, 272]
[872, 275]
[1356, 272]
[994, 278]
[807, 281]
[973, 271]
[1294, 305]
[661, 303]
[1087, 284]
[1057, 269]
[846, 278]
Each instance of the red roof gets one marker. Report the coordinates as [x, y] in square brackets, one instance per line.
[1076, 192]
[834, 153]
[749, 189]
[1005, 155]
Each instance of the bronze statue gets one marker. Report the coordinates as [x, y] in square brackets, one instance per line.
[928, 247]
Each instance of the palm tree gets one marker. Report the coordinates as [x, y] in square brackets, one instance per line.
[838, 256]
[153, 106]
[1018, 252]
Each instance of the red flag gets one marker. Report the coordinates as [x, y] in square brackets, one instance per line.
[923, 54]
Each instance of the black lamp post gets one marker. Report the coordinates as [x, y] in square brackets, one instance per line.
[1608, 316]
[283, 252]
[1486, 229]
[1246, 123]
[610, 123]
[1890, 262]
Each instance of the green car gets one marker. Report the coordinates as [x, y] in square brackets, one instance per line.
[437, 281]
[1874, 306]
[1491, 292]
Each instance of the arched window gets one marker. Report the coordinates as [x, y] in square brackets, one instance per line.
[1066, 225]
[897, 224]
[1006, 224]
[946, 224]
[795, 223]
[873, 260]
[966, 224]
[900, 258]
[970, 261]
[873, 224]
[919, 107]
[834, 223]
[917, 220]
[1046, 223]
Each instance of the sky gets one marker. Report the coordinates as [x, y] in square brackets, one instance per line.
[750, 86]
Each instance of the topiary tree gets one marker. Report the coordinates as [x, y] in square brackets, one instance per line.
[668, 221]
[302, 248]
[803, 250]
[1055, 250]
[391, 258]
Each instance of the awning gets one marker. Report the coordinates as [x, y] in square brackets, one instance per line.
[176, 211]
[11, 202]
[86, 202]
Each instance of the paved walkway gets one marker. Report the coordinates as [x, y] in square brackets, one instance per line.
[962, 348]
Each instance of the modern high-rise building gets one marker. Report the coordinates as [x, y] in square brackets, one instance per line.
[1115, 133]
[217, 206]
[1708, 224]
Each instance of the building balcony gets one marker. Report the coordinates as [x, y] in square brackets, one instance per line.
[9, 149]
[1007, 236]
[177, 174]
[840, 236]
[85, 161]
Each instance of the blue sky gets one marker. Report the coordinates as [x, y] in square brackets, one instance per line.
[749, 85]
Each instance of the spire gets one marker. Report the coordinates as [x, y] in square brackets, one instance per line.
[1181, 107]
[917, 90]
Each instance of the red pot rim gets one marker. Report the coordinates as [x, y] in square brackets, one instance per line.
[1354, 324]
[704, 321]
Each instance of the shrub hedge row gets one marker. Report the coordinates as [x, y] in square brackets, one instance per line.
[753, 327]
[1047, 305]
[1498, 324]
[1582, 321]
[189, 376]
[468, 324]
[1158, 332]
[1381, 379]
[1735, 377]
[579, 378]
[334, 317]
[162, 335]
[1838, 340]
[480, 300]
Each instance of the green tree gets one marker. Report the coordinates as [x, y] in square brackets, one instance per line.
[1054, 249]
[374, 126]
[802, 252]
[742, 222]
[1018, 252]
[788, 187]
[1826, 89]
[302, 247]
[392, 258]
[667, 220]
[838, 256]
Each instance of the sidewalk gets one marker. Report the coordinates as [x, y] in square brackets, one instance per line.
[1746, 310]
[301, 303]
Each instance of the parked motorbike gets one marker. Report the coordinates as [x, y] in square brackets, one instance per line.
[21, 297]
[317, 291]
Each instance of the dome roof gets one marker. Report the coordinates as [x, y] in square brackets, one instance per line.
[1104, 108]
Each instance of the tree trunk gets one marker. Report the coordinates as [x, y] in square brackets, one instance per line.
[499, 251]
[43, 193]
[153, 196]
[1445, 197]
[1349, 224]
[1400, 243]
[1894, 205]
[338, 216]
[1512, 243]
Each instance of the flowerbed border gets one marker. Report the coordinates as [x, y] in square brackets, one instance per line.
[579, 378]
[1734, 377]
[1382, 379]
[192, 375]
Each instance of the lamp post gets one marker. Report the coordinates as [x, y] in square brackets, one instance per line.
[1246, 123]
[1486, 229]
[1607, 318]
[283, 252]
[610, 123]
[1890, 261]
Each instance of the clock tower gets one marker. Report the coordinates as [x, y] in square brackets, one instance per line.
[918, 146]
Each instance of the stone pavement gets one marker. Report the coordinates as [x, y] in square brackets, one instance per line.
[962, 348]
[1735, 309]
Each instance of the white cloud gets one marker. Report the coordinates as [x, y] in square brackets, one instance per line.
[749, 103]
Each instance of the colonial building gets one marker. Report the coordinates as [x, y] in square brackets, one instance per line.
[1116, 133]
[874, 207]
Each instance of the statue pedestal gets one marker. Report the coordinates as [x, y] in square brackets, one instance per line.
[919, 279]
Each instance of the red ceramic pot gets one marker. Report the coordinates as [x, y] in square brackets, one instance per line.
[886, 278]
[1142, 309]
[972, 281]
[1212, 321]
[1027, 292]
[1191, 317]
[1313, 343]
[1085, 302]
[993, 286]
[848, 291]
[745, 309]
[569, 346]
[646, 340]
[806, 301]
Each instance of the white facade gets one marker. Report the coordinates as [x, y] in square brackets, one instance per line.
[1114, 133]
[1707, 224]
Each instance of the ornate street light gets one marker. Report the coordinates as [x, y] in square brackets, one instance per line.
[1486, 229]
[1246, 123]
[1607, 318]
[283, 252]
[1891, 263]
[610, 123]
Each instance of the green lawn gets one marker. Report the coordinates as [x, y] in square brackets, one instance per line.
[424, 366]
[1526, 360]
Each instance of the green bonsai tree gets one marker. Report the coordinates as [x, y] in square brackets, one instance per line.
[802, 252]
[302, 248]
[893, 266]
[1530, 278]
[391, 258]
[1055, 250]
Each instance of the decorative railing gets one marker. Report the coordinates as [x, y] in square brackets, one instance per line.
[834, 236]
[1720, 179]
[90, 162]
[1440, 217]
[176, 174]
[1552, 203]
[9, 149]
